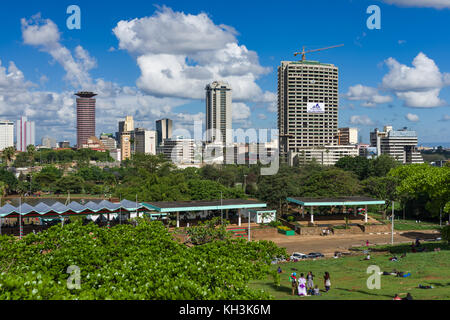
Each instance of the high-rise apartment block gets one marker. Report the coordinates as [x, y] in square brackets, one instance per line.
[307, 106]
[85, 117]
[399, 144]
[219, 113]
[127, 125]
[125, 145]
[6, 134]
[24, 134]
[145, 141]
[163, 130]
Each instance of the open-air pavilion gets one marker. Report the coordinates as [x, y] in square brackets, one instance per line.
[204, 208]
[61, 211]
[342, 203]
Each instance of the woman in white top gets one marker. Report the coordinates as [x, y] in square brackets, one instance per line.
[302, 286]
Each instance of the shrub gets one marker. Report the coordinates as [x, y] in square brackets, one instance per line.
[445, 232]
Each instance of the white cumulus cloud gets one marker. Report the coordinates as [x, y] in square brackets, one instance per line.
[369, 95]
[420, 85]
[362, 120]
[178, 54]
[44, 34]
[437, 4]
[412, 117]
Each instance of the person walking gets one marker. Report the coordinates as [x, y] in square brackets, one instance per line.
[327, 281]
[302, 286]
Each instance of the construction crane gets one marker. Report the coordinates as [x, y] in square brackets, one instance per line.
[303, 52]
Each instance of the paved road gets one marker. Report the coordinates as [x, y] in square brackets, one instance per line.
[329, 244]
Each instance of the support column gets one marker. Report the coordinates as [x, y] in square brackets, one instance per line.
[249, 234]
[354, 210]
[178, 219]
[239, 217]
[365, 214]
[312, 215]
[303, 212]
[226, 214]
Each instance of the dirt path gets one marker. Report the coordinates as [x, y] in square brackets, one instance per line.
[329, 244]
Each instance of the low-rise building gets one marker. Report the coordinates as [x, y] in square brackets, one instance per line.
[399, 144]
[326, 155]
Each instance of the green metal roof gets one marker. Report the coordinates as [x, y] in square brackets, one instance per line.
[342, 201]
[190, 206]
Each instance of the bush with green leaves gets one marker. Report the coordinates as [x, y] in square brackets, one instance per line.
[131, 262]
[445, 232]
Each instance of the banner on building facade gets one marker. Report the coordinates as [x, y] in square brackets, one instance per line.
[315, 108]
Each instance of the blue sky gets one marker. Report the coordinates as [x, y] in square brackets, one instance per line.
[157, 65]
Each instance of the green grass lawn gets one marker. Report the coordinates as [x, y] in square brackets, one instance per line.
[405, 225]
[349, 276]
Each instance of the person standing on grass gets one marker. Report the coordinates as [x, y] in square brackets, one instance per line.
[293, 279]
[302, 286]
[327, 281]
[310, 281]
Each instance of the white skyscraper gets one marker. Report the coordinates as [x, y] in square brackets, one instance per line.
[145, 141]
[24, 134]
[6, 134]
[219, 113]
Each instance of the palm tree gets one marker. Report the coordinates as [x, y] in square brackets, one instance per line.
[3, 188]
[31, 150]
[8, 154]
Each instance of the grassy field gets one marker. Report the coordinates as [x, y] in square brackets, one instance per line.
[349, 276]
[405, 225]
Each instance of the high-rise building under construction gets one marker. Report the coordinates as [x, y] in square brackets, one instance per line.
[307, 107]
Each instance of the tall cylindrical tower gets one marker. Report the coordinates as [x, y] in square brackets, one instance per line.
[85, 116]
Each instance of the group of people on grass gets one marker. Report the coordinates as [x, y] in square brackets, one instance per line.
[305, 286]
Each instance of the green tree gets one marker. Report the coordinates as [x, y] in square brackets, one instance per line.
[8, 154]
[358, 165]
[70, 183]
[209, 231]
[382, 188]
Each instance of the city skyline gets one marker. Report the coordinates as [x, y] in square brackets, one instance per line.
[382, 72]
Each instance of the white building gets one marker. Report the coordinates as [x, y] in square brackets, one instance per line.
[326, 155]
[49, 143]
[116, 154]
[178, 150]
[24, 134]
[6, 134]
[399, 144]
[145, 141]
[219, 113]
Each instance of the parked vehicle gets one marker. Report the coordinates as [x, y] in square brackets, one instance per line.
[277, 260]
[298, 256]
[314, 255]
